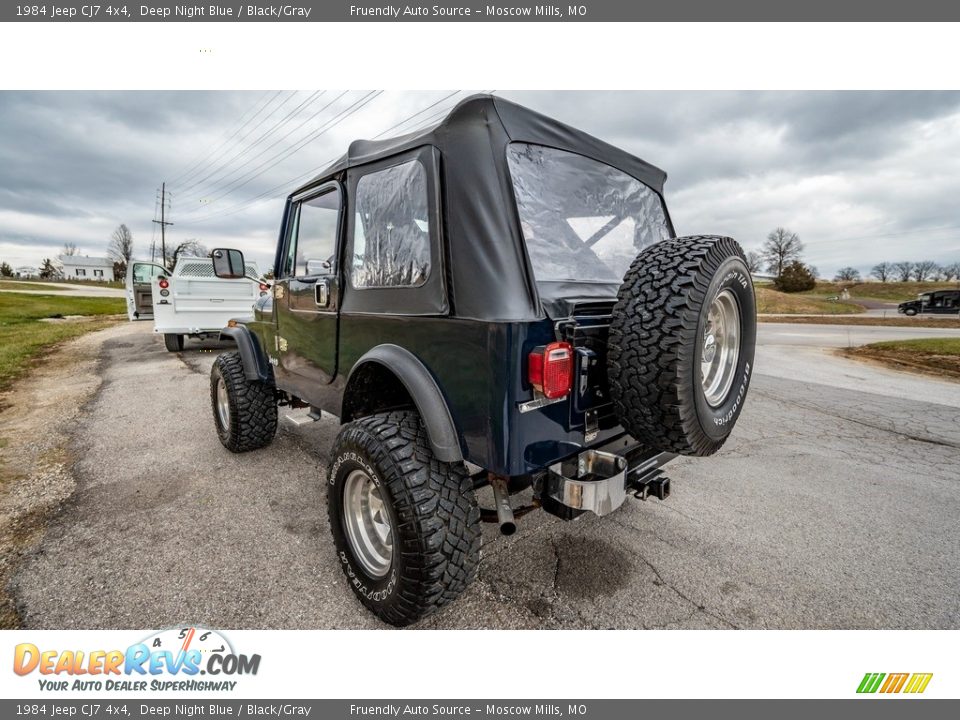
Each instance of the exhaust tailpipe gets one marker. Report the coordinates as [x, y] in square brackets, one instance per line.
[501, 499]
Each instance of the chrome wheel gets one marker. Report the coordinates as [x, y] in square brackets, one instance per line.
[223, 404]
[368, 523]
[721, 348]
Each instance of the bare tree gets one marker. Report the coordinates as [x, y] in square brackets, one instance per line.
[188, 248]
[950, 271]
[882, 271]
[812, 269]
[754, 261]
[69, 249]
[847, 274]
[903, 270]
[120, 249]
[780, 248]
[924, 270]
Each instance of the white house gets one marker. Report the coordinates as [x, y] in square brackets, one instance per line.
[84, 267]
[26, 271]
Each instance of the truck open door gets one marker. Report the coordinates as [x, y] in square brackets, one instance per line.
[140, 276]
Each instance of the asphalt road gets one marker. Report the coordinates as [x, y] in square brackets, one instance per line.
[833, 505]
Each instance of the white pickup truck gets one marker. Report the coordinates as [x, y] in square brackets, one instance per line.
[189, 301]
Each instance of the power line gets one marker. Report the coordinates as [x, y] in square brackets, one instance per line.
[192, 168]
[269, 194]
[211, 170]
[275, 142]
[420, 112]
[236, 137]
[336, 120]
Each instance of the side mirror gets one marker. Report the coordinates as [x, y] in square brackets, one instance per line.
[228, 264]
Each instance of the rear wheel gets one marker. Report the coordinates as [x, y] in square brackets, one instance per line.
[682, 344]
[173, 343]
[406, 525]
[244, 411]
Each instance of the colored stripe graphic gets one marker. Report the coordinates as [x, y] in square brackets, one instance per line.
[870, 682]
[894, 682]
[918, 683]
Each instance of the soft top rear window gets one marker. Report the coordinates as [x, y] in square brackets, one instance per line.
[582, 220]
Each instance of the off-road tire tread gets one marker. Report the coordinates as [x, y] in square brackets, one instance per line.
[436, 508]
[253, 410]
[653, 334]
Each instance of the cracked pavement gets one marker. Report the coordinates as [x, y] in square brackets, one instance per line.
[833, 505]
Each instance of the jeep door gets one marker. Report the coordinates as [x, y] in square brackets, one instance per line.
[140, 276]
[306, 293]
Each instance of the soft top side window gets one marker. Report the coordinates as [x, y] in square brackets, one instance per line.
[391, 237]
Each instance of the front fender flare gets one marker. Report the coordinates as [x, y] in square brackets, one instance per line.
[256, 367]
[426, 395]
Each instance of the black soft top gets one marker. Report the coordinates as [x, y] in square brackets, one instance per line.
[488, 276]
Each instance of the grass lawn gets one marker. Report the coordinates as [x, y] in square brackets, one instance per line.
[37, 284]
[892, 292]
[23, 337]
[20, 285]
[936, 356]
[770, 301]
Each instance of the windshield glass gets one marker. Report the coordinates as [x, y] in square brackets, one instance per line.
[582, 220]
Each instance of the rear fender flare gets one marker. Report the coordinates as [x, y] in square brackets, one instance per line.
[425, 393]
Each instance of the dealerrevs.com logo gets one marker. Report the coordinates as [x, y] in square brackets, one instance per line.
[887, 684]
[177, 659]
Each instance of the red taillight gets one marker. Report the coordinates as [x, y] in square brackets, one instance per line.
[163, 283]
[264, 287]
[550, 369]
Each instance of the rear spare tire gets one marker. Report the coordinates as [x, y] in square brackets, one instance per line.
[682, 344]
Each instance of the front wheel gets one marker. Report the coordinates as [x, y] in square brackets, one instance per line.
[244, 411]
[910, 312]
[406, 526]
[682, 343]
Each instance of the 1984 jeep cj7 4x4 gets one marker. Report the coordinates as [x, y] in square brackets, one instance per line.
[470, 301]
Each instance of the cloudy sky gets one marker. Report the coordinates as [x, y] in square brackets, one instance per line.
[860, 176]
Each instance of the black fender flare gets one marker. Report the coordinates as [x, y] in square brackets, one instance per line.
[426, 395]
[256, 367]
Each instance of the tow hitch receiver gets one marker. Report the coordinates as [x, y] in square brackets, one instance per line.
[655, 484]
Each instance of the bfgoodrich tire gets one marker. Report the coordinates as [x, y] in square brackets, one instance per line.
[173, 343]
[682, 344]
[406, 526]
[244, 411]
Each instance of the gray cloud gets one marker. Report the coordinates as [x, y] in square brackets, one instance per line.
[862, 176]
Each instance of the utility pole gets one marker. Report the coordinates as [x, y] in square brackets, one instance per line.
[162, 222]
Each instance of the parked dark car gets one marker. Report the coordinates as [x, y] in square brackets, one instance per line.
[497, 300]
[939, 302]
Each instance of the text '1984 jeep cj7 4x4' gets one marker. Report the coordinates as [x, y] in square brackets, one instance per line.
[499, 300]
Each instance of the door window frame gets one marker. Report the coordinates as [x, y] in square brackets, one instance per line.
[293, 226]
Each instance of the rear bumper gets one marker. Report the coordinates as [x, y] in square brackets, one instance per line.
[598, 479]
